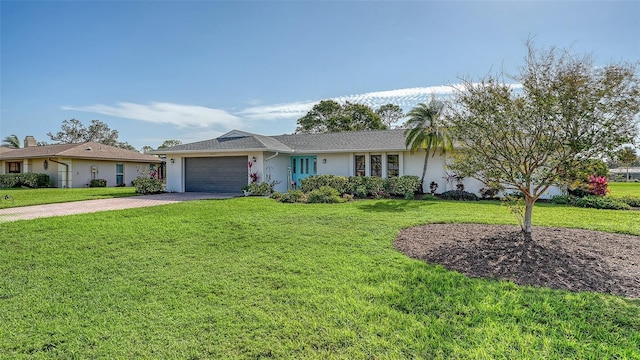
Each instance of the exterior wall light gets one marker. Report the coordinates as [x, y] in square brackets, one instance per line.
[173, 161]
[324, 161]
[254, 159]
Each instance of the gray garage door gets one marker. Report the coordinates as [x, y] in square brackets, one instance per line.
[216, 174]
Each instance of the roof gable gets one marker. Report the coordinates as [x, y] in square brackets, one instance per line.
[235, 134]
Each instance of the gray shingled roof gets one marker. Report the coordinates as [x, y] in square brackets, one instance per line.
[370, 140]
[88, 150]
[247, 142]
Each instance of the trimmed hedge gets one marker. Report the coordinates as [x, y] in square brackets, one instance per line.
[325, 195]
[600, 202]
[31, 180]
[145, 185]
[403, 186]
[259, 189]
[98, 183]
[633, 201]
[458, 195]
[363, 186]
[291, 196]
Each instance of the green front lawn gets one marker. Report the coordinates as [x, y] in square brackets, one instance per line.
[27, 197]
[620, 189]
[252, 278]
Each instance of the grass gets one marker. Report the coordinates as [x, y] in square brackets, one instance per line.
[620, 189]
[252, 278]
[27, 197]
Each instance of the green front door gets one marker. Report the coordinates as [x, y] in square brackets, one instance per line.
[302, 167]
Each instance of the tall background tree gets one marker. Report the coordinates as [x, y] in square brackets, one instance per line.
[169, 143]
[73, 131]
[331, 116]
[390, 114]
[11, 141]
[626, 157]
[569, 110]
[165, 144]
[425, 130]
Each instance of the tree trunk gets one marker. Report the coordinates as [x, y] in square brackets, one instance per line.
[424, 167]
[528, 212]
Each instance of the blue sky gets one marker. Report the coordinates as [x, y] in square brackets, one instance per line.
[156, 70]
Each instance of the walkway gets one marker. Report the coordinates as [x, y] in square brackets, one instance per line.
[89, 206]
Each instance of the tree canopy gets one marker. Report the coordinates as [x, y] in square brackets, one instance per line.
[390, 114]
[170, 143]
[626, 156]
[331, 116]
[166, 144]
[567, 111]
[73, 131]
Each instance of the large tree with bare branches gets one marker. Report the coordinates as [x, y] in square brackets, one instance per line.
[568, 110]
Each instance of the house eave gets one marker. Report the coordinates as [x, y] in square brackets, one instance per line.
[59, 156]
[341, 151]
[217, 151]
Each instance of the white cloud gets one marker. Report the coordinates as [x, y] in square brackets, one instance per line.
[192, 116]
[166, 113]
[278, 111]
[405, 98]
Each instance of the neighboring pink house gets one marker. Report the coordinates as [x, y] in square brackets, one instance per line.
[75, 165]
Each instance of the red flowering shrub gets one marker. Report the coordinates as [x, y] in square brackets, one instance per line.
[598, 185]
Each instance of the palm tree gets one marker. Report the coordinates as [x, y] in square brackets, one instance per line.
[11, 141]
[424, 131]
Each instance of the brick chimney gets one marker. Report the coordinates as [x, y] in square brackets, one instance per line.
[30, 141]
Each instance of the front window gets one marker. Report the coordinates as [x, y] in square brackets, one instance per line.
[376, 165]
[360, 165]
[14, 167]
[119, 174]
[393, 166]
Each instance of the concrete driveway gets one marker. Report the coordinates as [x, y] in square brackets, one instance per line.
[89, 206]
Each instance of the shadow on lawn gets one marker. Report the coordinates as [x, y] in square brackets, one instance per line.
[392, 206]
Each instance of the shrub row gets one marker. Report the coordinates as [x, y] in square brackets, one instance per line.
[363, 186]
[31, 180]
[323, 195]
[597, 202]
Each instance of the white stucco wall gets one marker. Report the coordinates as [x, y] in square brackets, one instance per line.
[336, 164]
[175, 178]
[413, 164]
[37, 166]
[82, 171]
[276, 168]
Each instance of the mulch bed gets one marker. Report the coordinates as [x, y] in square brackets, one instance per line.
[558, 258]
